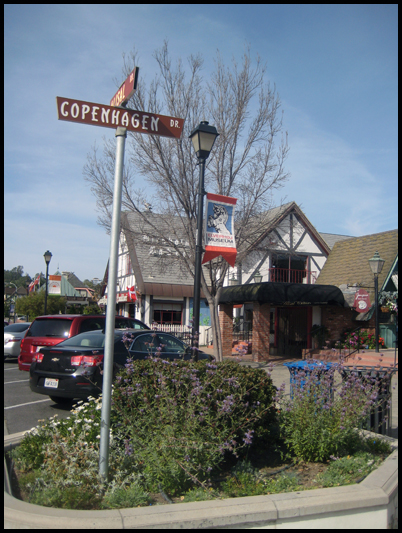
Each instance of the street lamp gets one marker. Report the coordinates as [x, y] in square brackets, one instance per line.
[376, 264]
[203, 138]
[47, 255]
[257, 276]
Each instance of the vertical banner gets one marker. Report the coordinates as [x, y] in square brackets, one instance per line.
[219, 228]
[54, 286]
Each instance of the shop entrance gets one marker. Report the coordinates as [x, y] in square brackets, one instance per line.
[292, 330]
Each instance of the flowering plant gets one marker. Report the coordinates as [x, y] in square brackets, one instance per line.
[320, 418]
[362, 339]
[177, 419]
[392, 306]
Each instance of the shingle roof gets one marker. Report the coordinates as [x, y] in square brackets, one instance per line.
[73, 280]
[348, 264]
[152, 257]
[331, 238]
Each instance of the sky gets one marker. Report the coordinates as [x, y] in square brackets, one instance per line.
[334, 67]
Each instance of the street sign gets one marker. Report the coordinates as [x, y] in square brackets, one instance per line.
[114, 117]
[126, 89]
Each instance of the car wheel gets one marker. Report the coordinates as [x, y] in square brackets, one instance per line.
[59, 400]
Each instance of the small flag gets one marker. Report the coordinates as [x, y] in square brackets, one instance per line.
[132, 295]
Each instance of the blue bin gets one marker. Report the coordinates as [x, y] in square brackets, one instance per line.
[307, 367]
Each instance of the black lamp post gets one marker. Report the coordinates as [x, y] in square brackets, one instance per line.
[376, 264]
[203, 138]
[47, 255]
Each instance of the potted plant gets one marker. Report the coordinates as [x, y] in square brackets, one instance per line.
[319, 334]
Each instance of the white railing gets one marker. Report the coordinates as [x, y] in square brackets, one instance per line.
[182, 331]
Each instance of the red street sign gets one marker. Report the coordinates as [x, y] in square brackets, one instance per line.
[113, 117]
[126, 89]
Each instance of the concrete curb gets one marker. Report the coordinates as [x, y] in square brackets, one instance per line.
[371, 504]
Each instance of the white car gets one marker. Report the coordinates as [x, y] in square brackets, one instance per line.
[13, 335]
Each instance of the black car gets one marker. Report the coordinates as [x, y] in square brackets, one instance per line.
[72, 368]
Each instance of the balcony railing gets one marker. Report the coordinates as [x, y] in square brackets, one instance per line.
[288, 275]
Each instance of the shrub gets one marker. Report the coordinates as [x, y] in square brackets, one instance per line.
[171, 424]
[177, 419]
[316, 423]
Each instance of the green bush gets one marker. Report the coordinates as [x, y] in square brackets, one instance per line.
[316, 423]
[178, 419]
[171, 424]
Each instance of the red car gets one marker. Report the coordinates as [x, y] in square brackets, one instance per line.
[51, 329]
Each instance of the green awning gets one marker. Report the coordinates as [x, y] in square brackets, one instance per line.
[283, 294]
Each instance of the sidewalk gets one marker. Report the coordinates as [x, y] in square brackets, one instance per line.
[280, 374]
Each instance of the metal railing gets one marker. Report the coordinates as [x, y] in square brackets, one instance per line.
[339, 350]
[243, 330]
[289, 275]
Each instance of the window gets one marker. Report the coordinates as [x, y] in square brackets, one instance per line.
[167, 313]
[287, 268]
[143, 342]
[171, 345]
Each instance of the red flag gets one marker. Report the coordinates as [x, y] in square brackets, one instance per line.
[132, 295]
[33, 283]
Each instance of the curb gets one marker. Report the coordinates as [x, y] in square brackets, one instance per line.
[372, 504]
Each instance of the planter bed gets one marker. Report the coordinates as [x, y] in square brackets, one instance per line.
[371, 504]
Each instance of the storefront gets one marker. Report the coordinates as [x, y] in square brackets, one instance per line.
[285, 308]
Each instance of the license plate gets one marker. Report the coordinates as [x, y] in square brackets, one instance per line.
[52, 383]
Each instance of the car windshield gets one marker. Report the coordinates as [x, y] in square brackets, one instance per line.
[91, 339]
[50, 327]
[16, 328]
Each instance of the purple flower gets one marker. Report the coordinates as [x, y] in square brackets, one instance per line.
[248, 437]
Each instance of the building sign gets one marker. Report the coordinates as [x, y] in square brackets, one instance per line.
[114, 117]
[126, 89]
[54, 286]
[219, 228]
[362, 301]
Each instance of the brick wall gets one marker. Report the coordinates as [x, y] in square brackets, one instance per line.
[260, 344]
[338, 319]
[226, 325]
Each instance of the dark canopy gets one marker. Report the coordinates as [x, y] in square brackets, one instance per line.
[282, 294]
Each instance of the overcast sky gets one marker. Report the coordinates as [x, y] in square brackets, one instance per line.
[334, 67]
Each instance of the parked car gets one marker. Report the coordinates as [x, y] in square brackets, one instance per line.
[13, 335]
[72, 368]
[52, 329]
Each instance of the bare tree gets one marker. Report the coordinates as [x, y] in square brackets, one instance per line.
[247, 161]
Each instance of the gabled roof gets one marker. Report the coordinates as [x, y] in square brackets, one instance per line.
[272, 218]
[153, 258]
[347, 264]
[72, 279]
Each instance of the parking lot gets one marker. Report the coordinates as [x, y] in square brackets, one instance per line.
[23, 408]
